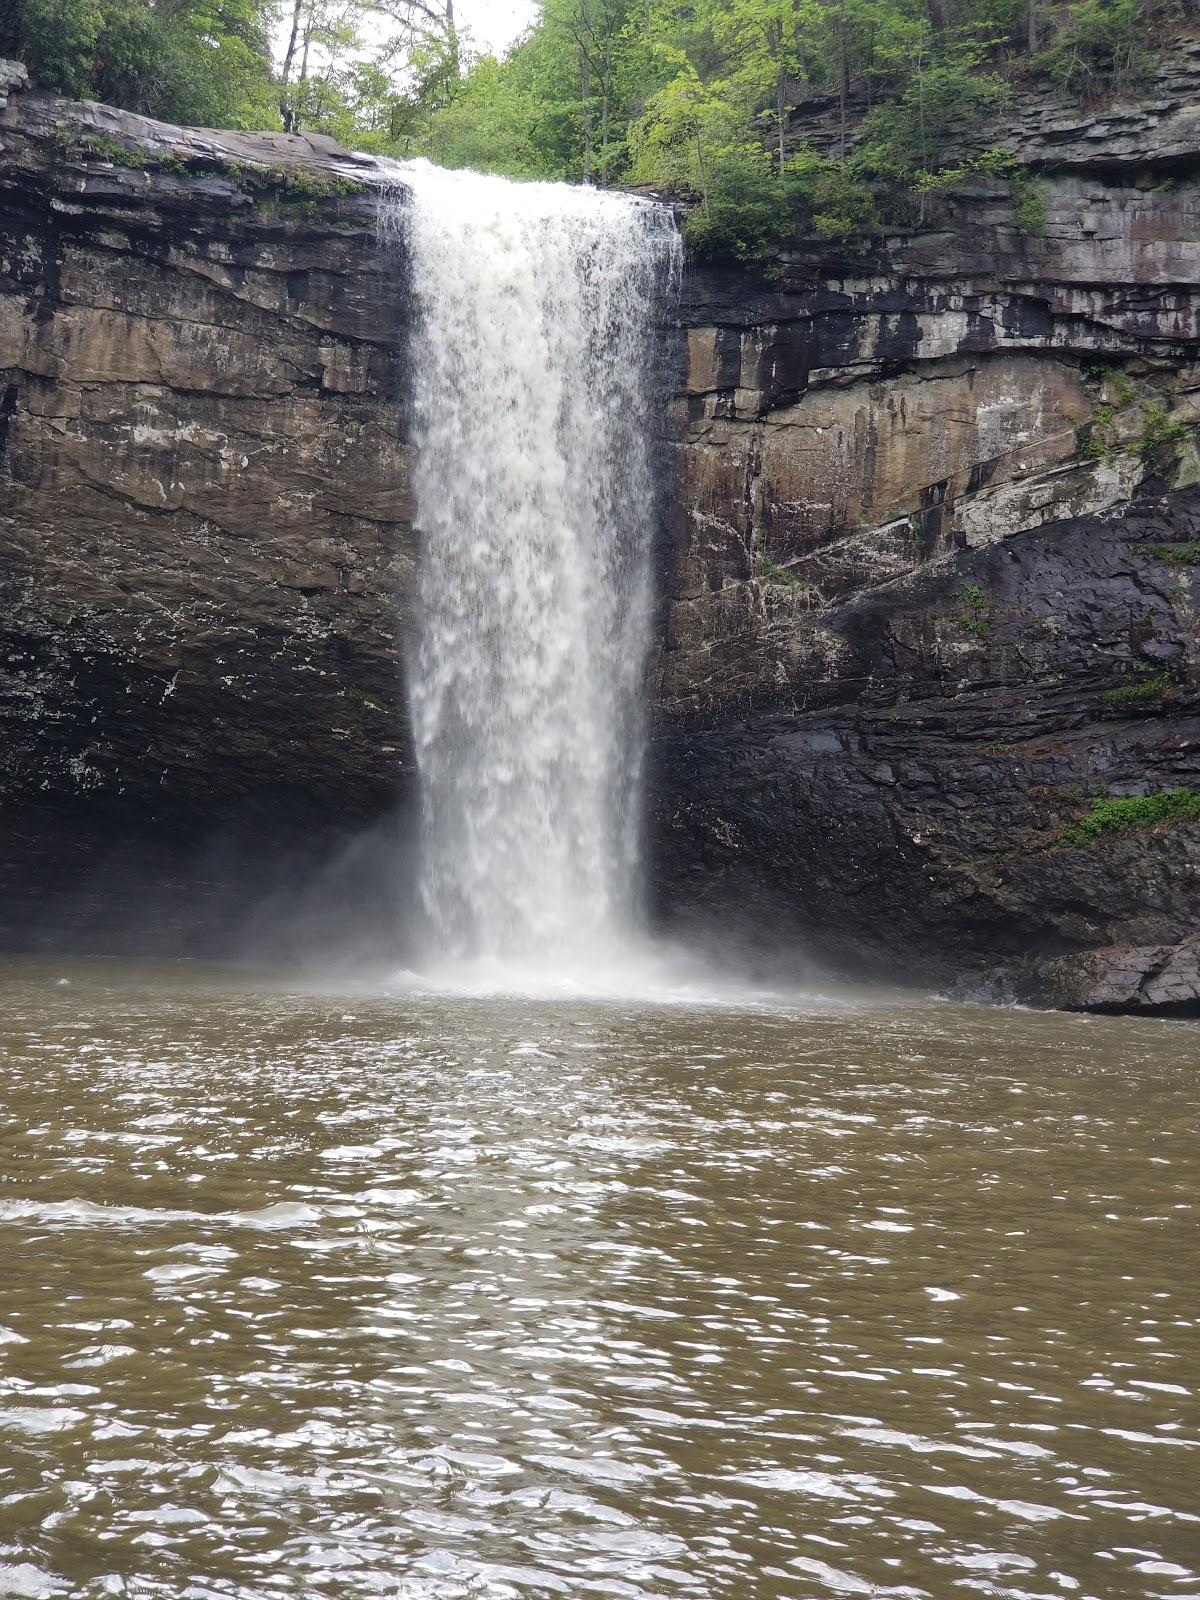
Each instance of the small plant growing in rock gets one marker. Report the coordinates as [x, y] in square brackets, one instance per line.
[975, 613]
[1031, 207]
[771, 572]
[1136, 693]
[1112, 378]
[371, 703]
[1096, 443]
[297, 192]
[112, 151]
[1120, 815]
[1158, 428]
[1175, 555]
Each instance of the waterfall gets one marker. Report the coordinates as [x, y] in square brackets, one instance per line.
[535, 307]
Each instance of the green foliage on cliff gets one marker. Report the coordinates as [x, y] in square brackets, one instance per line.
[1159, 428]
[1098, 42]
[938, 110]
[975, 613]
[206, 62]
[1145, 689]
[771, 119]
[1175, 555]
[1109, 816]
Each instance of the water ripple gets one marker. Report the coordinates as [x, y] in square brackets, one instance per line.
[438, 1297]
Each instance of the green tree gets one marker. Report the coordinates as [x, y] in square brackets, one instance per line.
[521, 115]
[1098, 41]
[493, 125]
[596, 32]
[943, 109]
[763, 45]
[197, 61]
[696, 142]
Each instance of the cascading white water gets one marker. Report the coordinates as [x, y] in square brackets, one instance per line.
[532, 431]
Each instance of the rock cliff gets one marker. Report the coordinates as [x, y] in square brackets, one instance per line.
[930, 586]
[202, 495]
[936, 571]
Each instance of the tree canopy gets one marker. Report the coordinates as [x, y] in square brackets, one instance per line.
[704, 99]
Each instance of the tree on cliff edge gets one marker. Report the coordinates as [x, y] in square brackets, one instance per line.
[353, 56]
[204, 62]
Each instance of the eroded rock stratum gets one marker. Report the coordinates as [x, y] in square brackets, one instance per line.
[929, 585]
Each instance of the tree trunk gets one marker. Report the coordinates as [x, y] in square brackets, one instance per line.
[286, 109]
[303, 78]
[781, 114]
[775, 49]
[843, 80]
[452, 39]
[606, 78]
[585, 100]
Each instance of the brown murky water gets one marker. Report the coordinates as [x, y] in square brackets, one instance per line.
[357, 1296]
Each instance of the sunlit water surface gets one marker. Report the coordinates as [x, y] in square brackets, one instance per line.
[370, 1296]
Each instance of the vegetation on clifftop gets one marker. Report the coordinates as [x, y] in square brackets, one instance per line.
[702, 99]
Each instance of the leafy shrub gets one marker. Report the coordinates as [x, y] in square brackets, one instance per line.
[975, 613]
[1110, 815]
[1158, 428]
[827, 193]
[1110, 377]
[990, 164]
[1100, 40]
[940, 109]
[1176, 555]
[695, 143]
[1031, 208]
[743, 215]
[1133, 693]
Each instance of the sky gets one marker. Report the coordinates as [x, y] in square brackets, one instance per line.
[494, 24]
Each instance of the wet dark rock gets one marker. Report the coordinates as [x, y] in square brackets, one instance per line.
[1161, 978]
[204, 500]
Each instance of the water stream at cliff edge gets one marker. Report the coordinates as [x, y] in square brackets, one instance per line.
[532, 427]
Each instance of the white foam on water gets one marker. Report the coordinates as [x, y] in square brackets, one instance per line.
[283, 1215]
[644, 971]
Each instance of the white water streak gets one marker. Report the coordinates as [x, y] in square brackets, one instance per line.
[533, 430]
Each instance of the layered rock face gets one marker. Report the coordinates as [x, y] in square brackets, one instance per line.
[204, 524]
[936, 576]
[929, 586]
